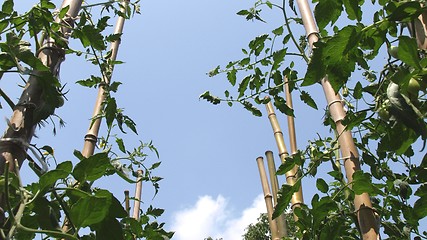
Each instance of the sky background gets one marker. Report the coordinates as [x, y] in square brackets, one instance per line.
[211, 183]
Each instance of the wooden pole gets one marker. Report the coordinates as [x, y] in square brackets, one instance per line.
[138, 192]
[268, 199]
[281, 221]
[292, 175]
[291, 119]
[362, 203]
[91, 136]
[127, 202]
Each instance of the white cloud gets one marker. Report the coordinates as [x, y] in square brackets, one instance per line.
[214, 218]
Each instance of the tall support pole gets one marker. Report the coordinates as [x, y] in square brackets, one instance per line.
[281, 221]
[291, 120]
[91, 137]
[127, 202]
[138, 193]
[362, 202]
[292, 175]
[268, 199]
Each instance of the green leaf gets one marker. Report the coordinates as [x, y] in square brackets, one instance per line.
[7, 6]
[114, 86]
[278, 58]
[353, 9]
[90, 210]
[285, 167]
[231, 76]
[406, 11]
[307, 99]
[78, 155]
[121, 145]
[250, 107]
[110, 228]
[243, 86]
[280, 104]
[93, 81]
[63, 12]
[89, 35]
[48, 179]
[110, 111]
[284, 197]
[243, 12]
[420, 207]
[408, 52]
[257, 45]
[155, 212]
[327, 11]
[322, 185]
[92, 168]
[208, 97]
[358, 91]
[362, 183]
[278, 31]
[316, 69]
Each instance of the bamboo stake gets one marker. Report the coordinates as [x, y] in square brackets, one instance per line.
[362, 203]
[292, 175]
[91, 136]
[127, 202]
[418, 29]
[268, 199]
[281, 221]
[291, 120]
[138, 192]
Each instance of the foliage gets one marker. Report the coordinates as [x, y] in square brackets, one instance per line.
[69, 190]
[384, 92]
[261, 229]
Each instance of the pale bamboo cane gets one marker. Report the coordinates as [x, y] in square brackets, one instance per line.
[138, 192]
[281, 221]
[268, 199]
[91, 136]
[292, 175]
[291, 119]
[127, 202]
[362, 203]
[418, 30]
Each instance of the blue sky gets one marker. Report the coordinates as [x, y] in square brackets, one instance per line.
[211, 181]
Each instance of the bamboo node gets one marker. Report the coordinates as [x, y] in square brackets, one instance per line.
[364, 207]
[351, 157]
[333, 102]
[271, 114]
[50, 45]
[284, 153]
[91, 138]
[313, 33]
[278, 132]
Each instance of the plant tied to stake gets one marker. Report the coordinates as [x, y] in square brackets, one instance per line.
[375, 55]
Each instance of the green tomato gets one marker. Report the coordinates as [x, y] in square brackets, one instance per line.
[392, 50]
[383, 113]
[414, 86]
[60, 101]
